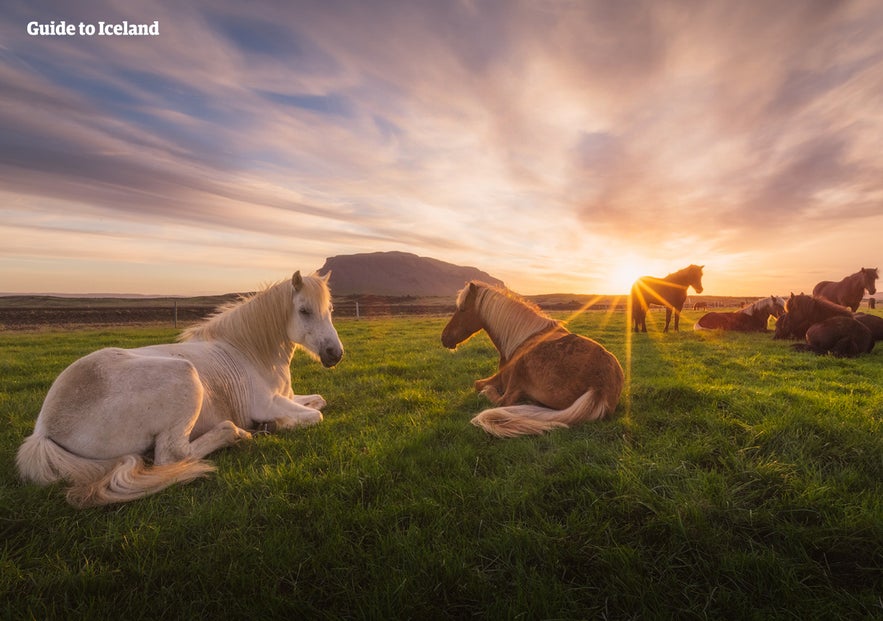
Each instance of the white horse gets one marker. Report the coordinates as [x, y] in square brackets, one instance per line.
[180, 401]
[752, 318]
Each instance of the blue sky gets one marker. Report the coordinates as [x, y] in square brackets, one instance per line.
[560, 145]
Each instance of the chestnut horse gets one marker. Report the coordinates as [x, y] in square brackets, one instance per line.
[802, 311]
[849, 291]
[842, 337]
[567, 378]
[752, 318]
[670, 292]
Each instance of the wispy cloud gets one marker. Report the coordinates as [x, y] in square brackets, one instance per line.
[540, 141]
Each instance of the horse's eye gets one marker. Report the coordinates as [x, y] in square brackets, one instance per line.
[306, 312]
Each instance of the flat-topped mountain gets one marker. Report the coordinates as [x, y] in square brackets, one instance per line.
[398, 274]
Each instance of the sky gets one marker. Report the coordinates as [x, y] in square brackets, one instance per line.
[559, 145]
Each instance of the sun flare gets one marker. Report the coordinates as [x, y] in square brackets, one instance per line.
[623, 275]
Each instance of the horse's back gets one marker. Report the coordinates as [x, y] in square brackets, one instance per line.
[113, 401]
[564, 368]
[820, 288]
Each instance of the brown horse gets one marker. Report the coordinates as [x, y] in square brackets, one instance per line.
[872, 323]
[842, 337]
[752, 318]
[670, 292]
[566, 378]
[849, 291]
[802, 311]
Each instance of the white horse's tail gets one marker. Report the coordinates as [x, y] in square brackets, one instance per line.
[100, 481]
[519, 420]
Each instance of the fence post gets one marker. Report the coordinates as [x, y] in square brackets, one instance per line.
[357, 309]
[176, 314]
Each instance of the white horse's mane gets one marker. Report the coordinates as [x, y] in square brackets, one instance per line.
[764, 305]
[509, 319]
[255, 322]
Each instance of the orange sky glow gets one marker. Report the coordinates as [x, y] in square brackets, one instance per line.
[560, 146]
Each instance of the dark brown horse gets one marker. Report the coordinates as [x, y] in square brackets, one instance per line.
[849, 291]
[872, 323]
[753, 318]
[802, 311]
[842, 337]
[566, 378]
[670, 292]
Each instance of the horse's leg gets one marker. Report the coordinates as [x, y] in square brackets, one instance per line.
[174, 445]
[315, 402]
[490, 387]
[287, 413]
[667, 318]
[677, 314]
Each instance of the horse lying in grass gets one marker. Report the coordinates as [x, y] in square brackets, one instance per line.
[568, 378]
[180, 401]
[670, 292]
[753, 318]
[849, 291]
[802, 311]
[842, 337]
[872, 323]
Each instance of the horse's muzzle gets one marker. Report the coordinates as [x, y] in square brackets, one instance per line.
[330, 355]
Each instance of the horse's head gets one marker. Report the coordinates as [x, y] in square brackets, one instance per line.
[695, 277]
[465, 321]
[310, 323]
[799, 306]
[871, 276]
[777, 306]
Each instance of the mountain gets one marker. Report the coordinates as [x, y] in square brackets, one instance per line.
[398, 274]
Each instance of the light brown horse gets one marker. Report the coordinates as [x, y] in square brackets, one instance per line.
[849, 291]
[565, 377]
[670, 292]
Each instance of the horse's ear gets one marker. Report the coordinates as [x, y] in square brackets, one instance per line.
[472, 291]
[297, 281]
[327, 276]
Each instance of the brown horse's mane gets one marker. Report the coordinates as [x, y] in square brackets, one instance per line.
[682, 276]
[509, 318]
[815, 301]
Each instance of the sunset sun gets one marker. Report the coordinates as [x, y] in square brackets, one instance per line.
[623, 275]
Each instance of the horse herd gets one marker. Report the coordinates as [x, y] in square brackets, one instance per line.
[231, 373]
[827, 320]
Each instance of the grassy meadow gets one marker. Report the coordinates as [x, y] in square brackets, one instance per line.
[738, 480]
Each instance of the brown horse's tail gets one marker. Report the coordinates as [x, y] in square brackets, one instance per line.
[518, 420]
[100, 482]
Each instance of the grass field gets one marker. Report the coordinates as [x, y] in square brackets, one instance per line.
[738, 479]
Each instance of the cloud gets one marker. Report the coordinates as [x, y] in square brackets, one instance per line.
[501, 134]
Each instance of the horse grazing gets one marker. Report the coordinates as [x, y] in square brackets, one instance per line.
[802, 311]
[753, 318]
[842, 337]
[180, 401]
[849, 291]
[567, 378]
[670, 292]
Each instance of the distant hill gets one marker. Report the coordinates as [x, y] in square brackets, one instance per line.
[398, 274]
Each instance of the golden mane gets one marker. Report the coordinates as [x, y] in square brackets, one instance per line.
[509, 318]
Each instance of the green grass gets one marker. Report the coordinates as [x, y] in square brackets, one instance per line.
[738, 479]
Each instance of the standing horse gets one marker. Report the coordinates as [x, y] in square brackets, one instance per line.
[753, 318]
[670, 292]
[180, 401]
[568, 378]
[849, 291]
[802, 311]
